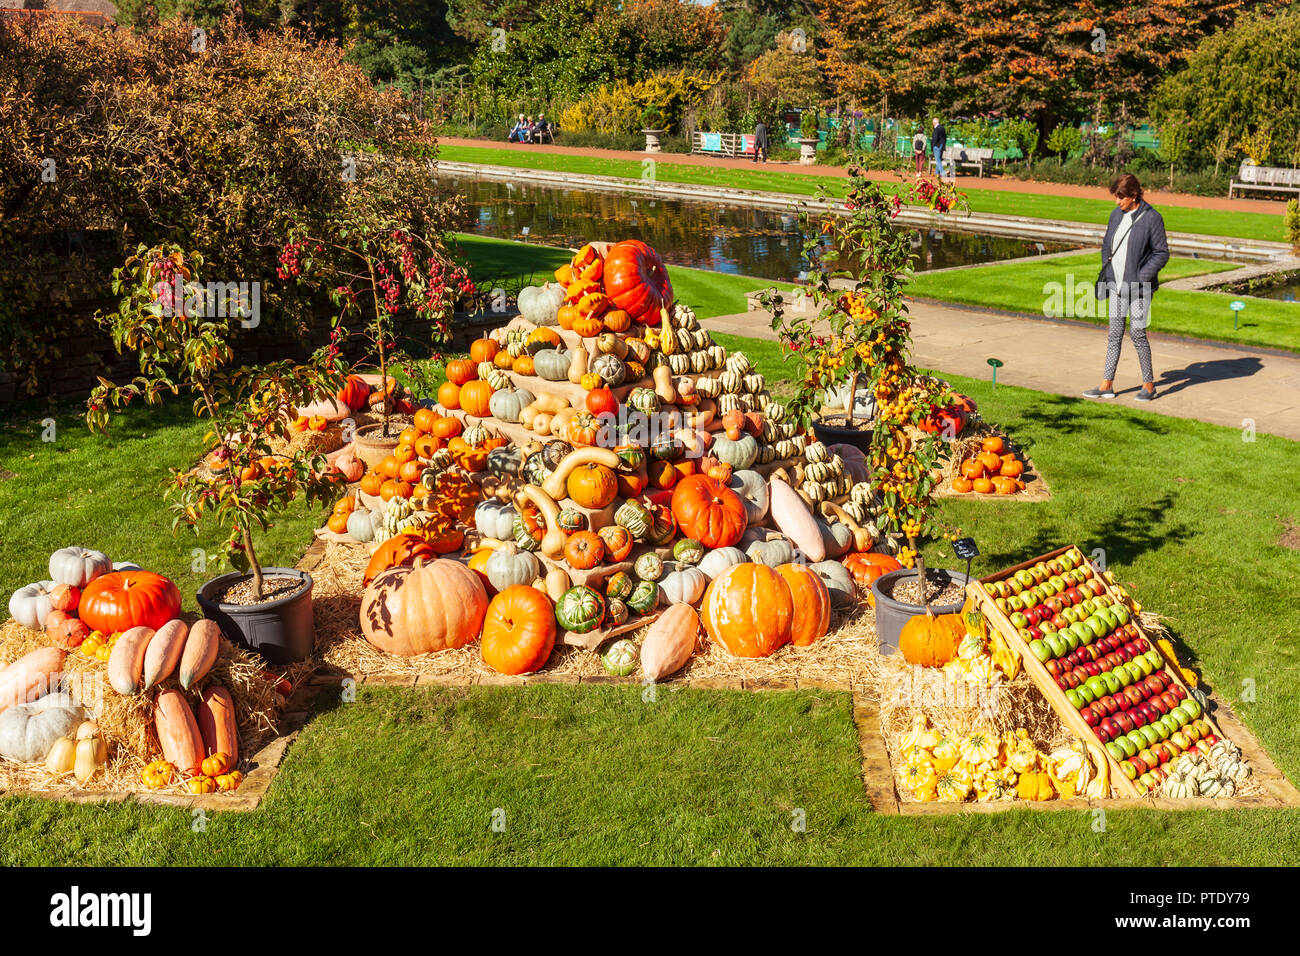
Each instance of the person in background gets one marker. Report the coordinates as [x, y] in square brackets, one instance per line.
[938, 142]
[539, 131]
[517, 131]
[918, 151]
[760, 140]
[529, 126]
[1132, 255]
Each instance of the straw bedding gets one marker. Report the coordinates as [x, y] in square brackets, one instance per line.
[126, 723]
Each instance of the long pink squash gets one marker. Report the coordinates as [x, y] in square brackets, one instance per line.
[31, 676]
[796, 521]
[670, 642]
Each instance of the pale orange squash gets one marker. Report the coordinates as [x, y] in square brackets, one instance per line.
[178, 732]
[431, 606]
[748, 610]
[812, 604]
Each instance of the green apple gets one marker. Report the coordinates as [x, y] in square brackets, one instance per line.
[1040, 650]
[1107, 615]
[1154, 657]
[1097, 687]
[1075, 698]
[1126, 744]
[1149, 734]
[1160, 729]
[1115, 750]
[1147, 781]
[1112, 682]
[1087, 694]
[1057, 644]
[1103, 601]
[1146, 666]
[1013, 587]
[1071, 639]
[1136, 739]
[1121, 613]
[1081, 632]
[1179, 740]
[1130, 771]
[1097, 625]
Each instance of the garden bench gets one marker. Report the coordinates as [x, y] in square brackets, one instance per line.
[722, 144]
[961, 157]
[1268, 178]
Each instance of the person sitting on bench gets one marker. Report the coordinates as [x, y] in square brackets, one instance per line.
[517, 131]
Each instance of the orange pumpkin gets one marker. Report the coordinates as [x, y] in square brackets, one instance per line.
[708, 511]
[993, 444]
[1011, 469]
[983, 486]
[426, 445]
[472, 459]
[616, 320]
[990, 461]
[409, 435]
[503, 360]
[519, 630]
[865, 566]
[564, 274]
[812, 604]
[618, 541]
[748, 609]
[962, 485]
[400, 550]
[432, 605]
[931, 641]
[592, 485]
[395, 489]
[484, 350]
[632, 483]
[478, 564]
[411, 471]
[972, 468]
[584, 550]
[1004, 485]
[588, 326]
[474, 398]
[371, 482]
[448, 428]
[443, 540]
[567, 315]
[461, 371]
[662, 474]
[449, 395]
[523, 365]
[338, 522]
[404, 453]
[389, 467]
[424, 419]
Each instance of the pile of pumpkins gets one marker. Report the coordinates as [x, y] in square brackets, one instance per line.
[994, 469]
[1211, 770]
[588, 525]
[130, 617]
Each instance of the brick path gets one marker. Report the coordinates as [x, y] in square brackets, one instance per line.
[1224, 385]
[967, 183]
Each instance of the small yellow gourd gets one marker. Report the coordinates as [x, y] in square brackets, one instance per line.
[91, 755]
[578, 365]
[62, 756]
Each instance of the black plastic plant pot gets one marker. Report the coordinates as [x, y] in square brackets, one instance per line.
[832, 435]
[283, 630]
[891, 615]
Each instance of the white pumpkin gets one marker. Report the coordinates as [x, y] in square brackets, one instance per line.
[495, 519]
[28, 731]
[752, 489]
[838, 581]
[78, 566]
[719, 559]
[683, 586]
[510, 565]
[837, 538]
[363, 523]
[30, 605]
[540, 304]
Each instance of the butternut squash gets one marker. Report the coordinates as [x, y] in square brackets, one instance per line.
[550, 402]
[556, 484]
[795, 519]
[201, 647]
[663, 378]
[91, 754]
[578, 364]
[553, 541]
[164, 652]
[560, 419]
[556, 583]
[32, 676]
[126, 662]
[217, 724]
[541, 423]
[178, 732]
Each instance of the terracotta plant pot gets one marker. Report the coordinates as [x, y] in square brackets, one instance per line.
[371, 445]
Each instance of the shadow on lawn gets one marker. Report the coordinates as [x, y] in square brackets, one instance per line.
[1060, 414]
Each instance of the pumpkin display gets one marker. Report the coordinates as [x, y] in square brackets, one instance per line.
[709, 511]
[518, 630]
[29, 730]
[748, 610]
[931, 641]
[636, 281]
[427, 607]
[401, 550]
[812, 604]
[449, 395]
[121, 600]
[580, 610]
[78, 566]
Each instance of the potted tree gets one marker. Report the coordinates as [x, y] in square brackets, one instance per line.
[845, 338]
[377, 269]
[652, 123]
[241, 482]
[808, 138]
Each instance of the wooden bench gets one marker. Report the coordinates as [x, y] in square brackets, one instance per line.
[970, 158]
[1276, 179]
[722, 144]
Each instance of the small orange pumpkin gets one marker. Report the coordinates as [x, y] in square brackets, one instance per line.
[449, 395]
[474, 398]
[461, 371]
[972, 468]
[484, 350]
[584, 550]
[616, 320]
[371, 482]
[962, 486]
[1012, 469]
[424, 419]
[993, 444]
[983, 486]
[588, 326]
[523, 364]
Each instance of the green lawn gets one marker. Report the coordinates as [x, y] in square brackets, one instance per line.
[1211, 222]
[1027, 287]
[1188, 514]
[504, 260]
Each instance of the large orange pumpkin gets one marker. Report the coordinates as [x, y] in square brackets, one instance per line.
[354, 393]
[812, 604]
[474, 398]
[121, 600]
[637, 281]
[430, 606]
[931, 641]
[401, 550]
[461, 371]
[519, 631]
[592, 485]
[708, 511]
[748, 610]
[449, 395]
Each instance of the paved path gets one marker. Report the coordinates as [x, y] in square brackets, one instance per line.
[1005, 184]
[1222, 385]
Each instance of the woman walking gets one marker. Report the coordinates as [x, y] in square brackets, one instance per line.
[1132, 255]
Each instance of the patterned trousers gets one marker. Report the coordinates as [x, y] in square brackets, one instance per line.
[1123, 305]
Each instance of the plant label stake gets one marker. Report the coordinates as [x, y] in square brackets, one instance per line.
[1236, 305]
[997, 364]
[966, 549]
